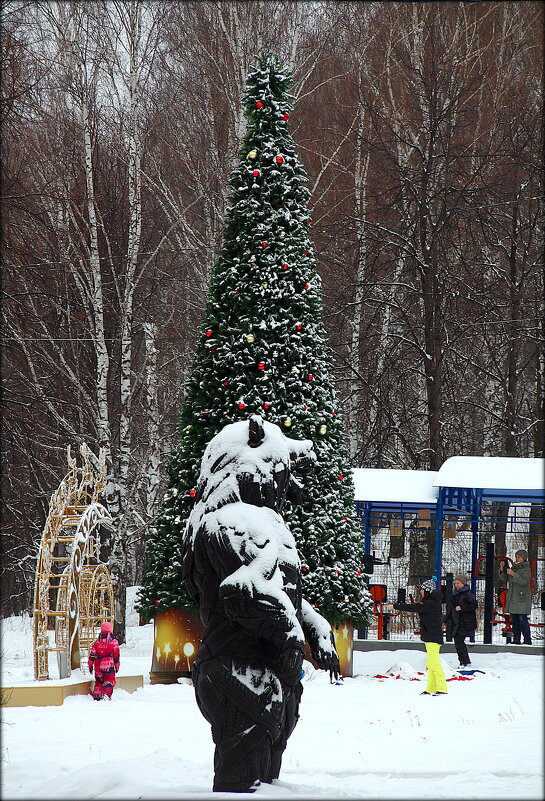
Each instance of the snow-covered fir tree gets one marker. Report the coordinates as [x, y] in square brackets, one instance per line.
[263, 349]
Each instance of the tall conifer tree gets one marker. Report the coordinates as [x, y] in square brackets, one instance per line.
[262, 349]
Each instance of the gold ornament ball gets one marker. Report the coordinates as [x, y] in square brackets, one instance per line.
[287, 422]
[265, 285]
[346, 599]
[250, 338]
[252, 154]
[322, 429]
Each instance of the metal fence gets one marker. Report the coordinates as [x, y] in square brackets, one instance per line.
[403, 547]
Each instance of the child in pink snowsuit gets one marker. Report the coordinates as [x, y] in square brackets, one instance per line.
[104, 659]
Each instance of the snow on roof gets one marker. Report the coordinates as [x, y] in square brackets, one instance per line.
[403, 486]
[491, 472]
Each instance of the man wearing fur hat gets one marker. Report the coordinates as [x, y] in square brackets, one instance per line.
[519, 597]
[461, 612]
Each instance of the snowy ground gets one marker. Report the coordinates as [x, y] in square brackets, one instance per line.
[368, 738]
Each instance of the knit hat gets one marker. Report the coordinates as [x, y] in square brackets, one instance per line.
[462, 578]
[428, 585]
[522, 553]
[106, 628]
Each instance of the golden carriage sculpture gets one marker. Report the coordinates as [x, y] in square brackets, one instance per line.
[72, 585]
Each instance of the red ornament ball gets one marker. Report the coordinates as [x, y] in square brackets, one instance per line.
[226, 383]
[358, 572]
[299, 326]
[209, 332]
[192, 492]
[266, 405]
[241, 405]
[279, 159]
[285, 266]
[264, 244]
[306, 286]
[259, 104]
[285, 117]
[261, 366]
[311, 378]
[256, 173]
[157, 601]
[341, 477]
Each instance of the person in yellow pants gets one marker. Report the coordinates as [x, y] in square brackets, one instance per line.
[437, 684]
[431, 633]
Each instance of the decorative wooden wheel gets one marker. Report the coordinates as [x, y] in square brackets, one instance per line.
[72, 585]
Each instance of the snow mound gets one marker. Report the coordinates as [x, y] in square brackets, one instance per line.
[407, 672]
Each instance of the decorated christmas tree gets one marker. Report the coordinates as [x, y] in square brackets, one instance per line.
[262, 349]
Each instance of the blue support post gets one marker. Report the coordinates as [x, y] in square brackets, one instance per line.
[439, 535]
[475, 514]
[367, 528]
[363, 633]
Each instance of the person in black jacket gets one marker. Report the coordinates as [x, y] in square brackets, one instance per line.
[461, 612]
[431, 633]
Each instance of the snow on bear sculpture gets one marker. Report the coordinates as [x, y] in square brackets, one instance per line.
[242, 568]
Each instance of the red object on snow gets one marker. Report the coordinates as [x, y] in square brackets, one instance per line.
[266, 406]
[279, 159]
[259, 104]
[209, 332]
[285, 266]
[241, 405]
[104, 660]
[285, 117]
[264, 244]
[256, 173]
[192, 493]
[311, 378]
[261, 366]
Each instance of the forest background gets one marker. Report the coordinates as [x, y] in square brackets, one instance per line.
[420, 127]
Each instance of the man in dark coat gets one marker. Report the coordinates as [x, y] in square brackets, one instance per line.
[242, 568]
[461, 611]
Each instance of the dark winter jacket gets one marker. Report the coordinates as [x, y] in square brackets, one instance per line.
[519, 597]
[464, 622]
[431, 617]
